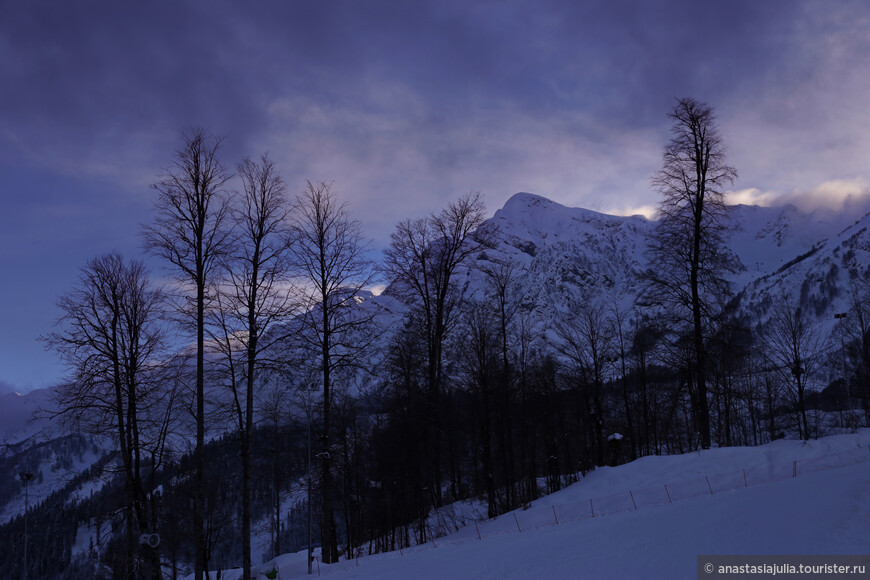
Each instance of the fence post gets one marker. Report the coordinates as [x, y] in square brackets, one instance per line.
[632, 500]
[518, 523]
[554, 514]
[476, 527]
[745, 483]
[708, 484]
[669, 494]
[794, 469]
[592, 507]
[318, 566]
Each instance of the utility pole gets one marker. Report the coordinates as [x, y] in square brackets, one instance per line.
[25, 477]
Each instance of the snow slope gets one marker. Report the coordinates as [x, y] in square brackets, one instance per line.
[26, 416]
[824, 510]
[820, 279]
[54, 465]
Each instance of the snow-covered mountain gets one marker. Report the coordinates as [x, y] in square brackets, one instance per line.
[819, 277]
[565, 257]
[562, 260]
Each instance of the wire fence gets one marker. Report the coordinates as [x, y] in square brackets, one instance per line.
[635, 499]
[541, 516]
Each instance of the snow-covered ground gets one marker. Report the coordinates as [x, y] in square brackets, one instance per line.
[795, 498]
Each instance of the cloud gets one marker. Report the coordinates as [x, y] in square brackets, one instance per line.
[390, 143]
[498, 97]
[839, 195]
[406, 105]
[805, 121]
[648, 211]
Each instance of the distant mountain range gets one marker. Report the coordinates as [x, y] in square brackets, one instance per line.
[564, 257]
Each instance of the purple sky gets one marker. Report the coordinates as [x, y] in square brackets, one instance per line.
[404, 105]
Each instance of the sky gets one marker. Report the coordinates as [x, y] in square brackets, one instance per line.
[404, 106]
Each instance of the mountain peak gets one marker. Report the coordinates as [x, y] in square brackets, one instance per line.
[545, 215]
[524, 200]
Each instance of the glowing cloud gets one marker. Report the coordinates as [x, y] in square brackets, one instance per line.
[837, 195]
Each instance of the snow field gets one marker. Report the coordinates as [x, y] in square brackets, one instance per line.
[796, 498]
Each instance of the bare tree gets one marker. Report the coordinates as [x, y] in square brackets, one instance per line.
[501, 289]
[587, 342]
[422, 261]
[190, 233]
[111, 339]
[274, 405]
[479, 361]
[525, 359]
[254, 295]
[858, 324]
[622, 338]
[686, 248]
[795, 351]
[501, 282]
[645, 337]
[329, 253]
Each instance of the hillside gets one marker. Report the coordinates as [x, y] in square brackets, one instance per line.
[824, 510]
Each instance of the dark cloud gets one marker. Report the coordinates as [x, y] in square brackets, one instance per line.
[94, 71]
[403, 104]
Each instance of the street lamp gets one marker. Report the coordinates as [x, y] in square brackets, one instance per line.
[25, 477]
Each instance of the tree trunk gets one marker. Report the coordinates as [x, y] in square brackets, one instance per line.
[328, 536]
[199, 471]
[246, 462]
[698, 335]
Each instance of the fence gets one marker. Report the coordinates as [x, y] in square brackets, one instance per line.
[671, 492]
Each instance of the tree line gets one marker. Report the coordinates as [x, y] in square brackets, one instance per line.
[466, 396]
